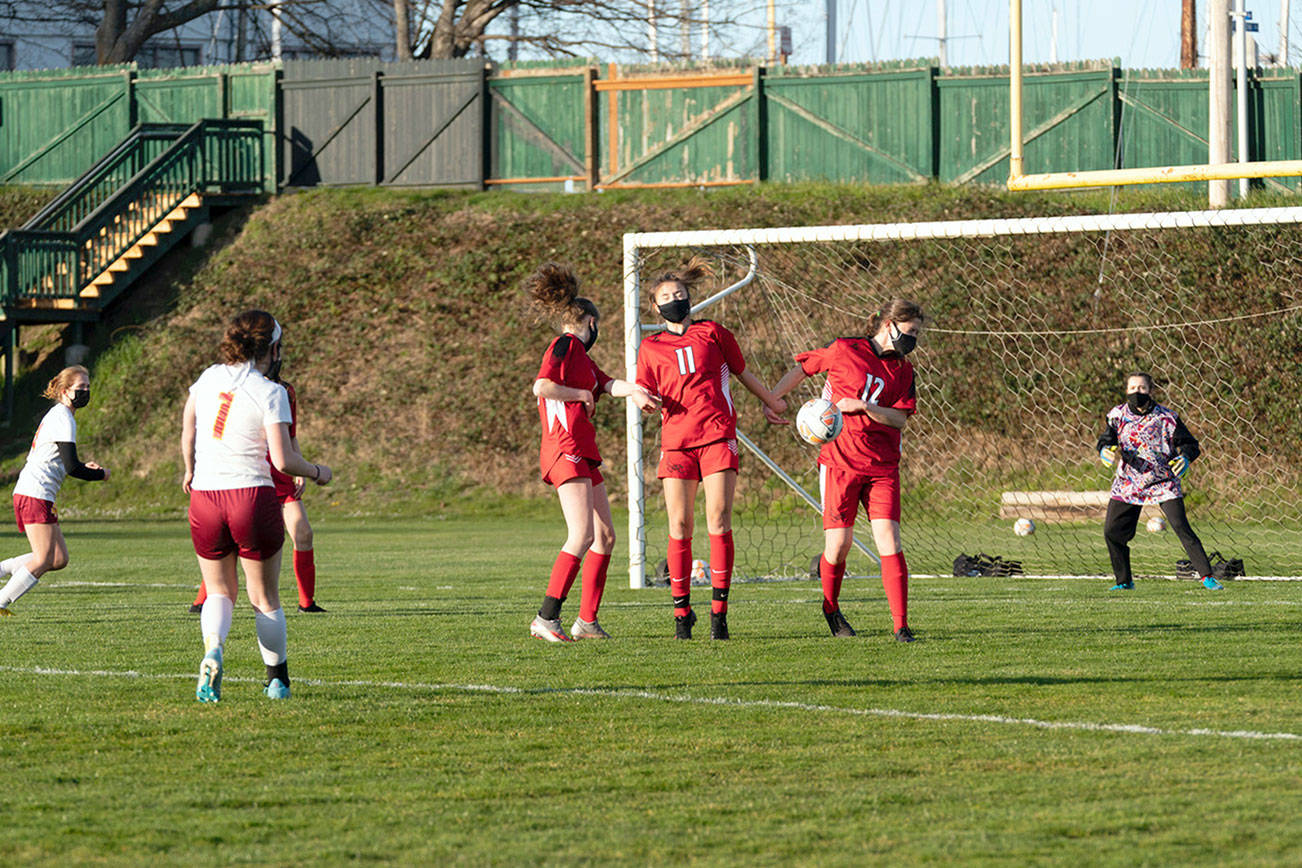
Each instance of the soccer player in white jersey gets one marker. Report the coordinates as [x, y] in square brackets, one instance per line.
[233, 418]
[53, 457]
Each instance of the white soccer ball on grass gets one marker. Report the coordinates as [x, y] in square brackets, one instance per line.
[700, 571]
[1023, 527]
[1156, 524]
[818, 422]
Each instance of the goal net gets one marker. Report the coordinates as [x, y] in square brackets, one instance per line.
[1032, 326]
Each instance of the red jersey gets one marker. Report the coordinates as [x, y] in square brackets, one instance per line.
[692, 373]
[278, 478]
[854, 370]
[566, 428]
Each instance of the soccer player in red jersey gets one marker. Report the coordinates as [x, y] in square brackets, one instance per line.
[871, 382]
[567, 387]
[690, 366]
[289, 491]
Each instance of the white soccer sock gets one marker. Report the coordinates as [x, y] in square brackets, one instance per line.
[273, 638]
[215, 620]
[22, 582]
[9, 566]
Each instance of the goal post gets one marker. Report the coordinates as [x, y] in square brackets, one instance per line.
[1032, 323]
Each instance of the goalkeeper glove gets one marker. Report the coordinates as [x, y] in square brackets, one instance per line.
[1108, 455]
[1179, 466]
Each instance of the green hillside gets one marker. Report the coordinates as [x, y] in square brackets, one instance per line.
[407, 336]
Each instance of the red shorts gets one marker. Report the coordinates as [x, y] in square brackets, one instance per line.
[569, 467]
[844, 490]
[33, 510]
[247, 520]
[698, 462]
[284, 487]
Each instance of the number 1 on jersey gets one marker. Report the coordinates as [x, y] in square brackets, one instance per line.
[223, 409]
[686, 360]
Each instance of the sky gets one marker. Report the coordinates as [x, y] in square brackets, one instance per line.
[1143, 33]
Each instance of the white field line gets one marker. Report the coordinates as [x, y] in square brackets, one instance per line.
[687, 699]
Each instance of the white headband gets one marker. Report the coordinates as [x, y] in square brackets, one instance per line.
[275, 332]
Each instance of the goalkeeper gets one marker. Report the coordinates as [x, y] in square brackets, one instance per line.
[1151, 450]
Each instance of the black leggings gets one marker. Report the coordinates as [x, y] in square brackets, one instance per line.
[1119, 529]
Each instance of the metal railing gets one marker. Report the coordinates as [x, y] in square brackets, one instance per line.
[101, 217]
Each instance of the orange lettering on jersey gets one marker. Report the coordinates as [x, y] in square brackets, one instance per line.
[223, 410]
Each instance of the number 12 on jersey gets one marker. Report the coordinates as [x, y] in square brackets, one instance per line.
[873, 385]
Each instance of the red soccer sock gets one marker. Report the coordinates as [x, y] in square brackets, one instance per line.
[594, 584]
[305, 576]
[895, 581]
[679, 557]
[831, 575]
[203, 594]
[563, 573]
[721, 559]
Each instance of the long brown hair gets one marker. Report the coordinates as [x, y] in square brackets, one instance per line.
[687, 275]
[897, 310]
[63, 381]
[248, 337]
[554, 289]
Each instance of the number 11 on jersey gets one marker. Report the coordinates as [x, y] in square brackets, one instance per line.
[686, 360]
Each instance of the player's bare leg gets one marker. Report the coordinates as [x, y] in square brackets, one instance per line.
[575, 496]
[720, 491]
[680, 505]
[49, 552]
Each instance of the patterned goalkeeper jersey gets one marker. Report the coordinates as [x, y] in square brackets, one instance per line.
[1147, 443]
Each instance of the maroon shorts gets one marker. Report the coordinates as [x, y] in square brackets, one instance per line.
[698, 462]
[247, 520]
[844, 490]
[285, 487]
[33, 510]
[569, 467]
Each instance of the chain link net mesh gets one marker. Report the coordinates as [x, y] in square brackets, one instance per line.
[1028, 340]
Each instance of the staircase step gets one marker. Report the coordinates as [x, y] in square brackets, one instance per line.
[104, 279]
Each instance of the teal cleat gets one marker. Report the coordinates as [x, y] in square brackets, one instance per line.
[1210, 583]
[276, 689]
[210, 677]
[1123, 586]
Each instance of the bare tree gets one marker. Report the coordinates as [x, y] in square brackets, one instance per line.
[120, 35]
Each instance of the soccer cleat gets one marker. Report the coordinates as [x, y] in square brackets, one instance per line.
[196, 608]
[837, 623]
[210, 677]
[683, 625]
[587, 630]
[1210, 583]
[549, 630]
[718, 625]
[311, 607]
[5, 613]
[904, 634]
[276, 689]
[1123, 586]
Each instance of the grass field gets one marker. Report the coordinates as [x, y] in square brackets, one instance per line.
[1037, 721]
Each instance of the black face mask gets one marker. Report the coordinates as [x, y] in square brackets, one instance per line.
[80, 397]
[1139, 402]
[904, 343]
[592, 336]
[676, 310]
[273, 370]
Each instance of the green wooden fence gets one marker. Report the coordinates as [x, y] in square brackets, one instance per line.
[541, 126]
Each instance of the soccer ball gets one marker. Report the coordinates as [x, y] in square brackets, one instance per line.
[1023, 527]
[1156, 524]
[700, 572]
[818, 422]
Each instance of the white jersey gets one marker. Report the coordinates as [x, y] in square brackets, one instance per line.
[43, 474]
[233, 406]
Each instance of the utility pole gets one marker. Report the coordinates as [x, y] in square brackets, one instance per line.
[652, 36]
[830, 54]
[773, 31]
[1218, 99]
[1282, 60]
[942, 22]
[1053, 37]
[1189, 35]
[1241, 85]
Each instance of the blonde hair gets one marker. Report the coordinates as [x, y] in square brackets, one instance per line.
[688, 275]
[63, 381]
[554, 289]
